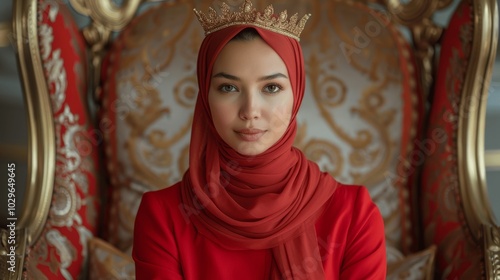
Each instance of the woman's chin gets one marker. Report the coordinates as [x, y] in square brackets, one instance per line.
[250, 150]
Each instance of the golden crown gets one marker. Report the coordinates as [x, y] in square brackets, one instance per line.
[212, 22]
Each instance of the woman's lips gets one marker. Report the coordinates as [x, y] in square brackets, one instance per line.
[250, 134]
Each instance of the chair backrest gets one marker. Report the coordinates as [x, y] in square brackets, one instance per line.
[455, 208]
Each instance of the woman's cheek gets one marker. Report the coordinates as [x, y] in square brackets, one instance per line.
[282, 117]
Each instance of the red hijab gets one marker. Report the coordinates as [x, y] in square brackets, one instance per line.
[268, 201]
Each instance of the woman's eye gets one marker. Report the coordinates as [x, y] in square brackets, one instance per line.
[227, 88]
[273, 88]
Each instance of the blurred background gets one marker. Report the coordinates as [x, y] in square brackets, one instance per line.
[14, 134]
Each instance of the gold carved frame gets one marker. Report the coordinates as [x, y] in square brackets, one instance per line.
[31, 219]
[470, 139]
[471, 120]
[41, 143]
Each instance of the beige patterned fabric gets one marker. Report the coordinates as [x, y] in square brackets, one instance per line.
[107, 262]
[357, 121]
[418, 266]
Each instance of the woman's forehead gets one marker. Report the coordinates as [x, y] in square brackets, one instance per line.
[249, 58]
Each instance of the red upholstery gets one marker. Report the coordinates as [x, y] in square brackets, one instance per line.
[442, 213]
[61, 251]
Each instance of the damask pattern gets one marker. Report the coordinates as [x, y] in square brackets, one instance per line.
[458, 256]
[364, 105]
[418, 266]
[149, 140]
[61, 251]
[107, 262]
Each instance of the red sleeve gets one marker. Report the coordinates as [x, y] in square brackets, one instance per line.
[365, 254]
[155, 251]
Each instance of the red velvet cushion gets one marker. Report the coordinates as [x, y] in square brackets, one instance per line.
[457, 256]
[61, 251]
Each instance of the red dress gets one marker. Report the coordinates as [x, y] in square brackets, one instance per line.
[167, 246]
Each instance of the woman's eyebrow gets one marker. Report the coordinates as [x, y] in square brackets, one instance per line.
[225, 75]
[273, 76]
[231, 77]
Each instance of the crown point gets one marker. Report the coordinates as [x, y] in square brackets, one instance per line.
[269, 11]
[283, 16]
[212, 13]
[225, 9]
[247, 6]
[304, 19]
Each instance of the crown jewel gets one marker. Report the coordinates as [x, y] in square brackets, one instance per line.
[247, 14]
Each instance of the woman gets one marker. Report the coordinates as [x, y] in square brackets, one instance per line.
[251, 206]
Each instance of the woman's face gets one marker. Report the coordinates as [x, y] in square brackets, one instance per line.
[250, 96]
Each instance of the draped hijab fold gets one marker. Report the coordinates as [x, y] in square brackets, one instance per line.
[268, 201]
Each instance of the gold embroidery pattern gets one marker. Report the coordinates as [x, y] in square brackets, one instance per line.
[359, 98]
[74, 163]
[107, 262]
[416, 266]
[156, 112]
[57, 76]
[457, 252]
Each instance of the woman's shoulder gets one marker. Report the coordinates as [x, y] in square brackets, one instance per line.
[160, 208]
[167, 195]
[348, 201]
[351, 193]
[349, 212]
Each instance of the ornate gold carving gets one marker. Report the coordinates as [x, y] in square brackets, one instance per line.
[212, 22]
[417, 16]
[492, 251]
[55, 128]
[17, 260]
[412, 12]
[106, 18]
[41, 143]
[481, 42]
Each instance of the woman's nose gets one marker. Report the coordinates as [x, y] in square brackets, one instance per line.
[250, 106]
